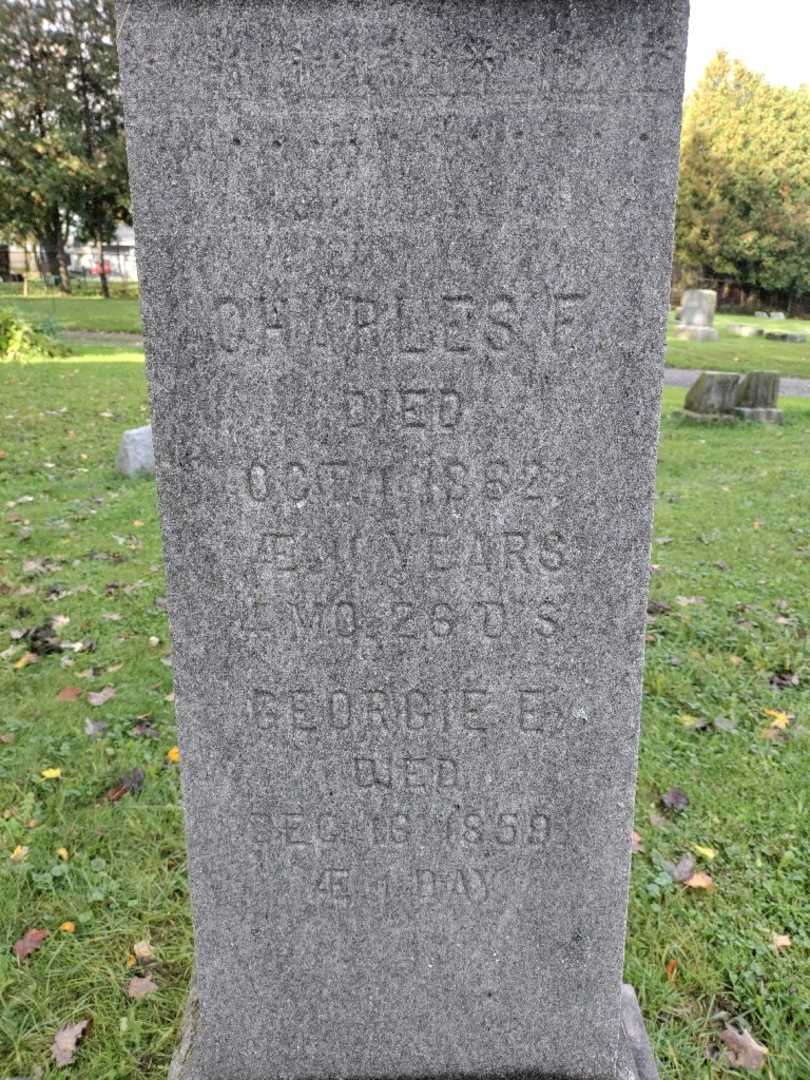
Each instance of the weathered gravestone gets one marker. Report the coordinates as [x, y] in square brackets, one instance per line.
[713, 397]
[404, 272]
[756, 398]
[744, 330]
[136, 455]
[696, 317]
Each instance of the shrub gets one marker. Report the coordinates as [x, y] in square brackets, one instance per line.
[19, 340]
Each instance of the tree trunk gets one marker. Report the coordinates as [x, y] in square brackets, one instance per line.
[64, 276]
[102, 270]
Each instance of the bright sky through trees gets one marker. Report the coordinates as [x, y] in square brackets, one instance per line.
[769, 37]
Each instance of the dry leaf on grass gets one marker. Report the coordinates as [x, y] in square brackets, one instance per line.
[700, 880]
[128, 784]
[101, 697]
[143, 951]
[636, 843]
[19, 853]
[743, 1050]
[29, 943]
[138, 988]
[781, 941]
[69, 693]
[65, 1040]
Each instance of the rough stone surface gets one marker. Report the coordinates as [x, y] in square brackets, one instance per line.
[758, 389]
[778, 315]
[698, 307]
[744, 330]
[404, 274]
[136, 455]
[780, 335]
[635, 1060]
[714, 392]
[696, 333]
[760, 314]
[760, 415]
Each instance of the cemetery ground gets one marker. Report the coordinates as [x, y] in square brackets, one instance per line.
[91, 837]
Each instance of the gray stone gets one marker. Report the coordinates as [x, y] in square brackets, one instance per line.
[758, 389]
[696, 333]
[760, 314]
[782, 335]
[698, 307]
[404, 273]
[760, 416]
[744, 330]
[778, 315]
[706, 418]
[635, 1059]
[713, 393]
[136, 455]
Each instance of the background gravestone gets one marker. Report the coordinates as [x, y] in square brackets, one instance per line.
[404, 274]
[757, 396]
[696, 318]
[713, 396]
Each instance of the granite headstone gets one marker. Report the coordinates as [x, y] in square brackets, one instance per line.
[136, 455]
[696, 316]
[404, 276]
[713, 396]
[757, 396]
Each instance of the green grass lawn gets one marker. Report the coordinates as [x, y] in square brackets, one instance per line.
[731, 353]
[78, 542]
[90, 313]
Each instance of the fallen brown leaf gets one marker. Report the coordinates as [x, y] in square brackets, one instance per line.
[138, 988]
[101, 697]
[743, 1050]
[128, 784]
[781, 941]
[29, 943]
[69, 693]
[671, 968]
[64, 1042]
[636, 843]
[143, 951]
[700, 880]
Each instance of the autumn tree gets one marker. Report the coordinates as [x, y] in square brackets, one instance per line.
[62, 154]
[744, 194]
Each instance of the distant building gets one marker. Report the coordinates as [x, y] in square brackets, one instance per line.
[83, 262]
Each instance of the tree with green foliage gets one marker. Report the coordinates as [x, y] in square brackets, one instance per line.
[62, 152]
[744, 193]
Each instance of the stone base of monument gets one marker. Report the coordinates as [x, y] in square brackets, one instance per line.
[779, 335]
[706, 418]
[635, 1059]
[745, 330]
[696, 333]
[760, 416]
